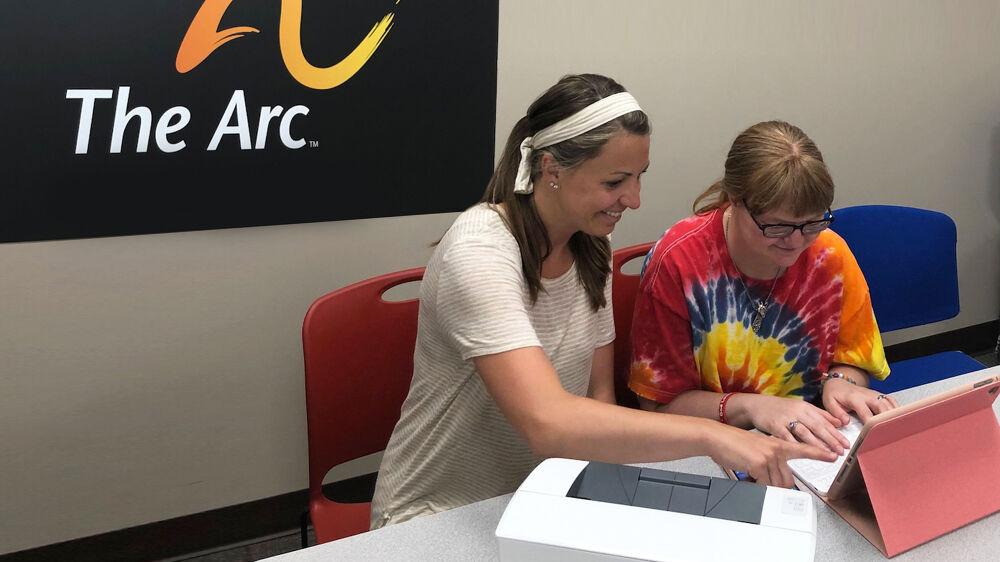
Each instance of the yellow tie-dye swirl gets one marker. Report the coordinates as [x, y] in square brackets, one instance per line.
[733, 357]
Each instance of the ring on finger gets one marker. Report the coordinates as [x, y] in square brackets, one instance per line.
[880, 396]
[792, 425]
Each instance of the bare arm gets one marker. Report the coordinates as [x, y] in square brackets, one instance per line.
[557, 423]
[703, 404]
[602, 374]
[775, 415]
[771, 414]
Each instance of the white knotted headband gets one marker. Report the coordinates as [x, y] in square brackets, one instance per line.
[590, 117]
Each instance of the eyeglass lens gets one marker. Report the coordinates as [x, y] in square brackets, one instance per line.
[782, 230]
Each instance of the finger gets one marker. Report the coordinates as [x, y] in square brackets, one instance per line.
[827, 436]
[761, 477]
[838, 411]
[862, 410]
[830, 418]
[777, 479]
[842, 443]
[787, 481]
[887, 403]
[785, 435]
[879, 404]
[810, 436]
[758, 471]
[804, 451]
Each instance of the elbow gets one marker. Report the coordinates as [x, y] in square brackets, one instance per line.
[546, 434]
[654, 406]
[541, 439]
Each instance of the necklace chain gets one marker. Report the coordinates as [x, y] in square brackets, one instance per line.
[760, 305]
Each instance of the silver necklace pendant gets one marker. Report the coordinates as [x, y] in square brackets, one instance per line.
[758, 318]
[760, 306]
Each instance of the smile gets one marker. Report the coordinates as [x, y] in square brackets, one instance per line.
[787, 251]
[613, 214]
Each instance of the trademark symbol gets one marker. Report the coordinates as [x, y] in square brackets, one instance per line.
[313, 144]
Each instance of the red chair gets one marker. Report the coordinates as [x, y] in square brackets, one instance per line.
[624, 288]
[358, 351]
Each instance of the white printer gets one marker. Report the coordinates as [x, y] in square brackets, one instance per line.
[578, 510]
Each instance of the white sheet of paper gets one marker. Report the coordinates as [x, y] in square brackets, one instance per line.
[819, 474]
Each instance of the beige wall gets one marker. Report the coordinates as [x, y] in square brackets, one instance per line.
[143, 378]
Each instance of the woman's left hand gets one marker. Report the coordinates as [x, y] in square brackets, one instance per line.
[841, 397]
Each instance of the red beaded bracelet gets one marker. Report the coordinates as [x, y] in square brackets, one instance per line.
[722, 407]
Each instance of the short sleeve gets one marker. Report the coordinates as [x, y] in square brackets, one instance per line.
[662, 364]
[606, 318]
[480, 298]
[859, 342]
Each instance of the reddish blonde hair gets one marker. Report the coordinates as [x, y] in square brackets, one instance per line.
[770, 165]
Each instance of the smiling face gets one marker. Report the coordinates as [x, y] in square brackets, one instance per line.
[763, 255]
[592, 196]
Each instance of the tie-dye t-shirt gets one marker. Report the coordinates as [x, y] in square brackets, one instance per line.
[692, 323]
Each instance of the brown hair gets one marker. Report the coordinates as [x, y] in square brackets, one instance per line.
[593, 253]
[770, 165]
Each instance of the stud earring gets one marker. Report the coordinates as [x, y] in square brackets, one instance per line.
[553, 185]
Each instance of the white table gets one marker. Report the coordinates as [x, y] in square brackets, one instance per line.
[466, 533]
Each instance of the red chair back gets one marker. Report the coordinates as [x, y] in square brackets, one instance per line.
[624, 288]
[358, 351]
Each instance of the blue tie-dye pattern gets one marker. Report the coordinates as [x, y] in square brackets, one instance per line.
[712, 304]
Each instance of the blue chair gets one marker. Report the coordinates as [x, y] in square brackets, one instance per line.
[909, 259]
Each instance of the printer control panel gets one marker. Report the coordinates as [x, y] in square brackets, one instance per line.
[679, 492]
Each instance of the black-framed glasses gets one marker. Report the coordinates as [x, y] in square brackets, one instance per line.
[782, 230]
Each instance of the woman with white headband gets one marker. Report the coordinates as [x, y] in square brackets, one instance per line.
[514, 352]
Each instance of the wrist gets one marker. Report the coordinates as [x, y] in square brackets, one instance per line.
[835, 375]
[715, 441]
[739, 409]
[723, 407]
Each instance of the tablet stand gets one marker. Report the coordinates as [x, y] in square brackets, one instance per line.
[926, 475]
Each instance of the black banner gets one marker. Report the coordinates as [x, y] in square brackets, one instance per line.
[127, 117]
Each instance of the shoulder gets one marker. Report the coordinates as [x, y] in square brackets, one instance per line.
[829, 247]
[482, 219]
[477, 250]
[689, 239]
[482, 227]
[829, 257]
[831, 239]
[691, 231]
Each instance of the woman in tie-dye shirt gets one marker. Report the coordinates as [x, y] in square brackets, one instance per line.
[751, 310]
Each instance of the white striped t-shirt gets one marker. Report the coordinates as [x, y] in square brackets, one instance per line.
[452, 446]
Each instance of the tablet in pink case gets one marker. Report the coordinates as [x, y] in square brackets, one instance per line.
[928, 468]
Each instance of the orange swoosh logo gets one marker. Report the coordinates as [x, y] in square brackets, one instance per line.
[203, 37]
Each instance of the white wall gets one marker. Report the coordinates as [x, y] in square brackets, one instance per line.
[143, 378]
